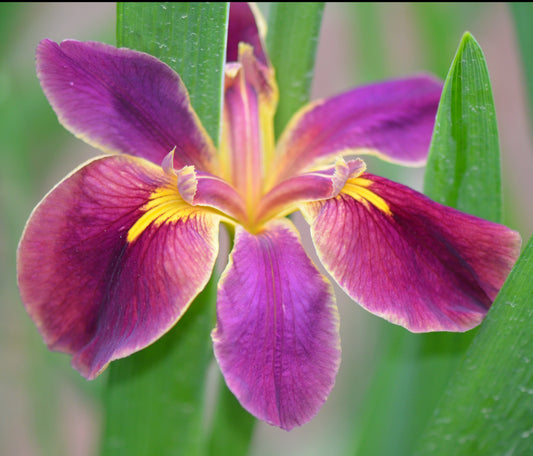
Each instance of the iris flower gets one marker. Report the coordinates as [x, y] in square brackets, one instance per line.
[115, 253]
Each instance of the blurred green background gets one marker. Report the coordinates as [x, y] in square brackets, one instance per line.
[46, 408]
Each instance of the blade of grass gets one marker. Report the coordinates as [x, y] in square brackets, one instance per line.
[488, 408]
[232, 426]
[372, 48]
[523, 18]
[155, 399]
[463, 171]
[463, 168]
[292, 38]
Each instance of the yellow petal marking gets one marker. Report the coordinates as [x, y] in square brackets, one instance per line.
[164, 206]
[358, 188]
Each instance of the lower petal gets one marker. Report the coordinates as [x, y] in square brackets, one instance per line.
[110, 260]
[276, 340]
[408, 259]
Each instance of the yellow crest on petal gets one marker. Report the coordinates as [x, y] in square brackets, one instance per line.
[165, 205]
[359, 189]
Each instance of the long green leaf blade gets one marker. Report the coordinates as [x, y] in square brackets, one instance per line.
[232, 427]
[523, 18]
[292, 39]
[463, 168]
[484, 411]
[463, 171]
[488, 408]
[155, 399]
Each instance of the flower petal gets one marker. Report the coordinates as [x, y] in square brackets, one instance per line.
[247, 146]
[276, 340]
[110, 260]
[246, 25]
[392, 119]
[120, 100]
[316, 185]
[204, 189]
[408, 259]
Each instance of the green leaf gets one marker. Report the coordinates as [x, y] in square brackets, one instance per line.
[190, 37]
[154, 401]
[484, 411]
[463, 171]
[488, 407]
[410, 377]
[370, 41]
[9, 13]
[523, 18]
[155, 398]
[292, 39]
[463, 168]
[232, 427]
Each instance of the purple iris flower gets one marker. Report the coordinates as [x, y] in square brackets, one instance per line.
[116, 252]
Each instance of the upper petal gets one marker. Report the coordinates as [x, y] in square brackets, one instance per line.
[120, 100]
[415, 262]
[392, 119]
[276, 340]
[111, 258]
[246, 25]
[247, 146]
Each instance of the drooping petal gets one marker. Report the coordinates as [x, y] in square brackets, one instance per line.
[120, 100]
[276, 340]
[110, 260]
[408, 259]
[392, 119]
[246, 25]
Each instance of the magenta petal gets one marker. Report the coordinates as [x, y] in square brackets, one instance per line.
[250, 97]
[243, 27]
[392, 119]
[106, 266]
[410, 260]
[320, 184]
[204, 189]
[276, 340]
[120, 100]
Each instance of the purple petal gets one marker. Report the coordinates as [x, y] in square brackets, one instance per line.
[204, 189]
[276, 340]
[246, 25]
[120, 100]
[408, 259]
[110, 260]
[250, 97]
[393, 120]
[321, 184]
